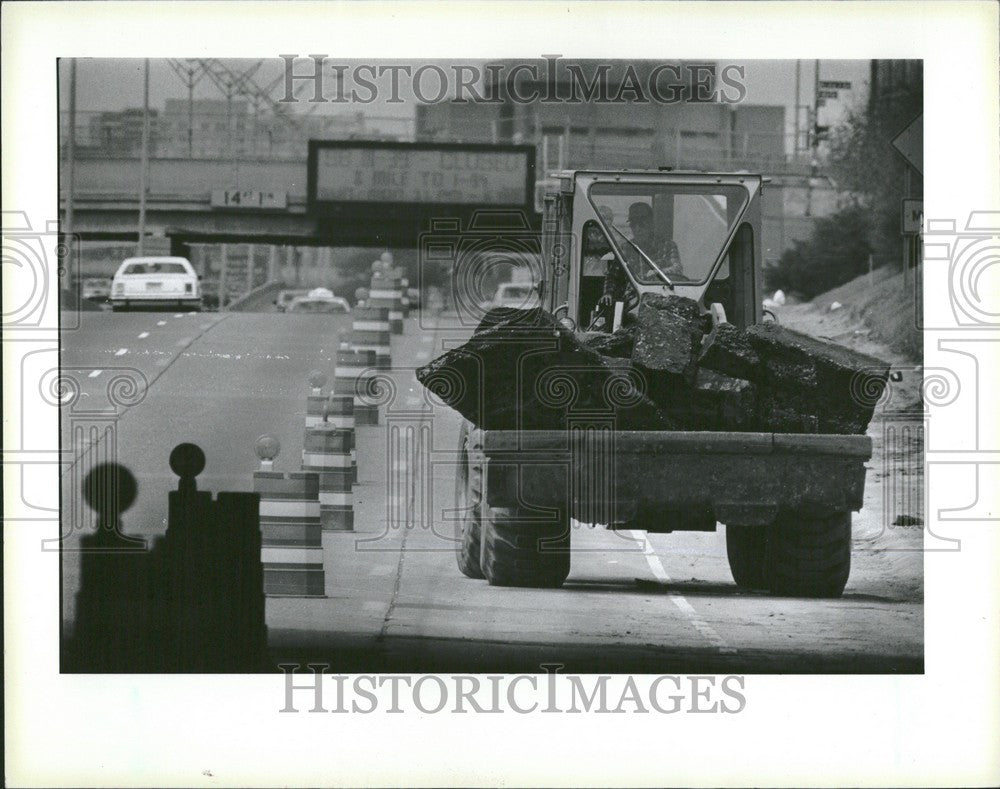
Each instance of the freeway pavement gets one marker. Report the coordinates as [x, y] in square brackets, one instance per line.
[395, 599]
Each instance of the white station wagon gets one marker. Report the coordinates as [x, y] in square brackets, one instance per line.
[150, 281]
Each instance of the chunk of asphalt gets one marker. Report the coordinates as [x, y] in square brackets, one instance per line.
[522, 370]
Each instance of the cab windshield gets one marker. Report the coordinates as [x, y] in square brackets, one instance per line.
[668, 232]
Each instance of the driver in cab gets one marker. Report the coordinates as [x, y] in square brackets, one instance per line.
[664, 253]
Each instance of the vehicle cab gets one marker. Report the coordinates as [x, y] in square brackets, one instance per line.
[691, 234]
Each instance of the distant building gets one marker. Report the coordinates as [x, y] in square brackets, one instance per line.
[120, 133]
[699, 131]
[216, 128]
[204, 128]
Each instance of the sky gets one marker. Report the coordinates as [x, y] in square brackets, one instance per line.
[109, 84]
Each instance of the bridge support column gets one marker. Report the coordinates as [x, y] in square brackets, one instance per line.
[251, 254]
[223, 271]
[272, 263]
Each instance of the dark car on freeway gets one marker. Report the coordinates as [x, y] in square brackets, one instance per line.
[96, 289]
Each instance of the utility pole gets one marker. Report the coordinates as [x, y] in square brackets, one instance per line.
[190, 120]
[907, 239]
[798, 81]
[814, 139]
[190, 75]
[70, 148]
[144, 163]
[815, 112]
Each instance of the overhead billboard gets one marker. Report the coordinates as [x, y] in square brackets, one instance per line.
[345, 173]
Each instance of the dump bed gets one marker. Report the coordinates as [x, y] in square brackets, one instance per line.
[689, 478]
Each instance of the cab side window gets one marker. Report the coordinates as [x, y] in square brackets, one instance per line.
[594, 251]
[733, 285]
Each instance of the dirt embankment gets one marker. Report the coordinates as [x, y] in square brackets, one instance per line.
[877, 318]
[876, 312]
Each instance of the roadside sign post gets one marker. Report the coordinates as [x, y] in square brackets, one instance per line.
[913, 216]
[909, 143]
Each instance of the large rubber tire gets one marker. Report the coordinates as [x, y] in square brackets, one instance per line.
[809, 556]
[468, 498]
[745, 547]
[515, 553]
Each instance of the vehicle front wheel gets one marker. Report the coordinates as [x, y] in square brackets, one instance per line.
[516, 552]
[468, 503]
[808, 556]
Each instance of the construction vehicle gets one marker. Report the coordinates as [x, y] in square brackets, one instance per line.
[785, 499]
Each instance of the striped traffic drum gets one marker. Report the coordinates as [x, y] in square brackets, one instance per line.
[352, 376]
[371, 331]
[387, 292]
[327, 452]
[291, 534]
[340, 413]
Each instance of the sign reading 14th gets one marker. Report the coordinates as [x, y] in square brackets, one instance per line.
[248, 199]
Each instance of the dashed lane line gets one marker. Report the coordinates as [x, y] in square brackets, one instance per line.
[163, 364]
[161, 323]
[95, 373]
[144, 335]
[656, 566]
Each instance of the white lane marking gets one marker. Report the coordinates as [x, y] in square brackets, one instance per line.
[161, 323]
[144, 335]
[192, 313]
[95, 373]
[178, 314]
[121, 352]
[699, 624]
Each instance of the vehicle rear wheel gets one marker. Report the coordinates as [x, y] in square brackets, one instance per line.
[809, 556]
[519, 553]
[745, 547]
[468, 501]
